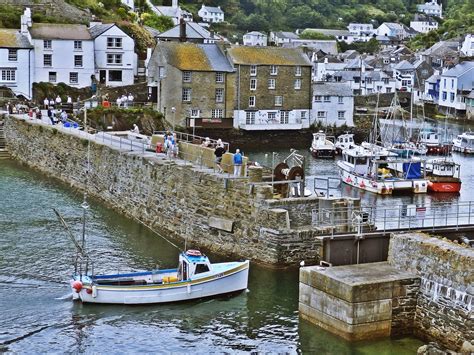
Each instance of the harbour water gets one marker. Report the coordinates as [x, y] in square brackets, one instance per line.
[38, 316]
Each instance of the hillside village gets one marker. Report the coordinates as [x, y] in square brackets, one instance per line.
[269, 81]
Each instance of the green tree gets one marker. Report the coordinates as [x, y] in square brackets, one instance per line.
[161, 23]
[309, 34]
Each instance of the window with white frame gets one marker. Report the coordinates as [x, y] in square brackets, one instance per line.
[8, 75]
[284, 117]
[78, 61]
[250, 117]
[219, 77]
[52, 76]
[253, 70]
[47, 60]
[341, 115]
[12, 55]
[195, 113]
[217, 113]
[318, 98]
[278, 100]
[219, 95]
[273, 70]
[78, 45]
[340, 99]
[321, 114]
[253, 84]
[114, 59]
[251, 101]
[114, 42]
[298, 70]
[73, 77]
[451, 96]
[327, 98]
[186, 76]
[271, 83]
[47, 44]
[186, 96]
[303, 115]
[297, 84]
[272, 116]
[387, 90]
[161, 72]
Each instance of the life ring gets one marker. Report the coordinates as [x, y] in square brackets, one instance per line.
[193, 252]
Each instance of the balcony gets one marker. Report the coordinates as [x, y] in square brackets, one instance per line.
[262, 125]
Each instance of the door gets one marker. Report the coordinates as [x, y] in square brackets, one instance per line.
[102, 76]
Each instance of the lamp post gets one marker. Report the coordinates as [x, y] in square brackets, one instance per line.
[173, 110]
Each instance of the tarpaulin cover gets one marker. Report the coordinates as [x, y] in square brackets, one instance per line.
[412, 170]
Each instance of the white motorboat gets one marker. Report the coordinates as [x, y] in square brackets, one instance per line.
[344, 141]
[464, 143]
[195, 277]
[373, 168]
[322, 146]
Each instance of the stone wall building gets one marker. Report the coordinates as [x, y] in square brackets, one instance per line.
[273, 88]
[192, 81]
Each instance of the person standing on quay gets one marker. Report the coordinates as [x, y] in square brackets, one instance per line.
[219, 152]
[237, 163]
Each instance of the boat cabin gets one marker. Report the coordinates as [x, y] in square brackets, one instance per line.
[430, 138]
[345, 141]
[192, 264]
[444, 168]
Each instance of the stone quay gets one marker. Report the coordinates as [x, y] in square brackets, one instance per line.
[178, 198]
[426, 288]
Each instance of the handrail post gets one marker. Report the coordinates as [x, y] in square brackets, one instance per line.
[469, 214]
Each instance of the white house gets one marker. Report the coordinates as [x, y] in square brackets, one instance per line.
[423, 24]
[16, 62]
[361, 32]
[174, 11]
[279, 38]
[255, 38]
[431, 8]
[404, 74]
[63, 53]
[211, 14]
[115, 57]
[393, 29]
[467, 47]
[332, 104]
[454, 85]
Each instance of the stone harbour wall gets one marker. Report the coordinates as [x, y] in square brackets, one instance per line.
[445, 301]
[178, 199]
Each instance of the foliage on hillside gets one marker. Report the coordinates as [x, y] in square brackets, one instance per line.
[459, 21]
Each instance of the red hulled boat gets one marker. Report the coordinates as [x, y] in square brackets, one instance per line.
[443, 176]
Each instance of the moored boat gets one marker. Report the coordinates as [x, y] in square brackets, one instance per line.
[344, 141]
[443, 176]
[464, 143]
[196, 277]
[322, 146]
[434, 143]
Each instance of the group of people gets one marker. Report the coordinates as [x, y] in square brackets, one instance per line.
[219, 152]
[55, 103]
[56, 115]
[125, 100]
[170, 145]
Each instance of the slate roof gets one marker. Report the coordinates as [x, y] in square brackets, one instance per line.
[327, 46]
[212, 9]
[254, 33]
[349, 75]
[191, 56]
[153, 31]
[169, 11]
[268, 56]
[433, 78]
[404, 65]
[193, 31]
[471, 95]
[356, 64]
[283, 34]
[97, 30]
[459, 69]
[332, 89]
[12, 38]
[60, 31]
[442, 48]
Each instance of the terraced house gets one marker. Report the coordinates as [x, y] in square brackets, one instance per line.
[192, 83]
[273, 88]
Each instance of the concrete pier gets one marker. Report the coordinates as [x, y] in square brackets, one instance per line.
[425, 288]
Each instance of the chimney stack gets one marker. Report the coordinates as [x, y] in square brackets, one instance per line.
[26, 21]
[182, 30]
[174, 4]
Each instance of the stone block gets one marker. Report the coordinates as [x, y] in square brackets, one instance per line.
[221, 223]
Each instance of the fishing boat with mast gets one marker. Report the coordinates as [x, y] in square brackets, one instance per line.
[195, 277]
[372, 167]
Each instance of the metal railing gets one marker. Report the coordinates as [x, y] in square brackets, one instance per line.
[192, 138]
[327, 187]
[399, 217]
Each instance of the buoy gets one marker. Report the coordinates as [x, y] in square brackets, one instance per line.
[77, 286]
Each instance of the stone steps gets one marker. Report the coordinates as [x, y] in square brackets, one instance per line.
[4, 154]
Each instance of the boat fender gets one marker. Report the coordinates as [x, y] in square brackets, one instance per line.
[77, 286]
[94, 291]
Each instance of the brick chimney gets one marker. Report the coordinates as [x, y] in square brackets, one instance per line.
[182, 30]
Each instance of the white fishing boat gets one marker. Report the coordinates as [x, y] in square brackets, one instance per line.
[464, 143]
[322, 146]
[376, 169]
[196, 277]
[434, 142]
[344, 141]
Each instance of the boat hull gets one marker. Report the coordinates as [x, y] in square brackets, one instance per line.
[231, 281]
[464, 150]
[323, 153]
[447, 186]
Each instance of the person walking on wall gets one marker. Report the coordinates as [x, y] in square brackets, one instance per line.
[238, 163]
[219, 152]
